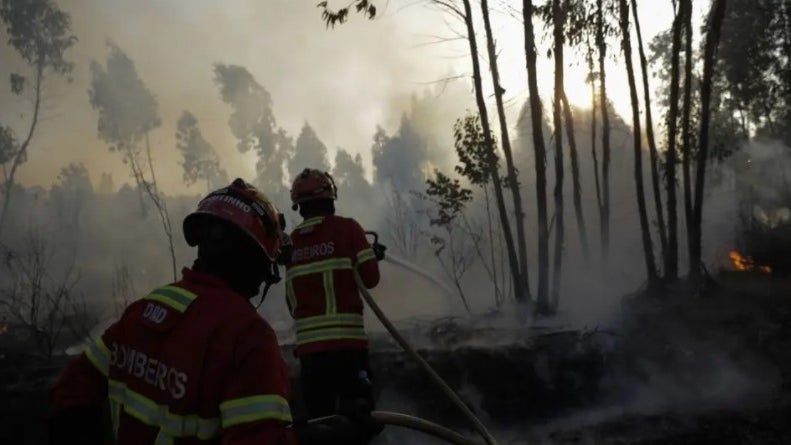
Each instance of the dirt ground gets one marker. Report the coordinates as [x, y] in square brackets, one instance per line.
[713, 367]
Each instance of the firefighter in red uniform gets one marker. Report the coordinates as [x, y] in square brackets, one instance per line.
[193, 362]
[324, 300]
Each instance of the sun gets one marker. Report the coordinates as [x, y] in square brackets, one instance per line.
[578, 91]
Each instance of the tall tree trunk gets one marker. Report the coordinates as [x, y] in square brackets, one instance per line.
[540, 158]
[162, 209]
[575, 176]
[605, 139]
[592, 77]
[558, 20]
[21, 154]
[686, 149]
[492, 155]
[648, 249]
[649, 130]
[505, 141]
[671, 259]
[712, 42]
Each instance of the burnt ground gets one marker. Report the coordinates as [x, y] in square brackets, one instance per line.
[681, 368]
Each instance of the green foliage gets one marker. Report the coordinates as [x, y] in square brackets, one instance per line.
[471, 149]
[127, 109]
[332, 17]
[309, 152]
[74, 177]
[754, 64]
[399, 159]
[40, 32]
[200, 161]
[449, 197]
[253, 124]
[348, 171]
[252, 120]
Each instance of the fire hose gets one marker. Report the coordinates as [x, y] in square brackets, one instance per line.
[479, 426]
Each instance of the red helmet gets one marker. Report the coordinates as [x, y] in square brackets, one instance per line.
[245, 207]
[312, 184]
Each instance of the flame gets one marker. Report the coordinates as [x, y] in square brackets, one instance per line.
[745, 263]
[4, 328]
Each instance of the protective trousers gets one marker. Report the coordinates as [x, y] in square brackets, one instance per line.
[336, 381]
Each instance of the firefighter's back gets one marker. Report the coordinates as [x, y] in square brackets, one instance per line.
[171, 356]
[320, 287]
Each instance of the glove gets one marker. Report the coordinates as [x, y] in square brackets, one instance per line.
[335, 429]
[379, 251]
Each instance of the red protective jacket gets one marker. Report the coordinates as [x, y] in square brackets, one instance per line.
[190, 363]
[320, 289]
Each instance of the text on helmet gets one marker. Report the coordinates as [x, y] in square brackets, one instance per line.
[230, 200]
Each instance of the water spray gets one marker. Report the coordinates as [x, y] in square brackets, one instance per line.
[477, 424]
[416, 270]
[392, 259]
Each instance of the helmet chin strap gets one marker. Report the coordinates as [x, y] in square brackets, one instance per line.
[272, 277]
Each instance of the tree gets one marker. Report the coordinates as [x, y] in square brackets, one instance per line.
[253, 124]
[714, 27]
[40, 33]
[513, 261]
[71, 193]
[36, 298]
[671, 258]
[602, 29]
[128, 112]
[473, 164]
[200, 161]
[558, 21]
[592, 79]
[754, 65]
[348, 171]
[649, 130]
[349, 175]
[106, 184]
[511, 179]
[309, 152]
[540, 158]
[686, 139]
[391, 154]
[398, 160]
[648, 249]
[450, 200]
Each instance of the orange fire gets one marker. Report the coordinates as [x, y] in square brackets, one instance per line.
[741, 262]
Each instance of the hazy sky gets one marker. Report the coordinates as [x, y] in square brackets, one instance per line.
[343, 81]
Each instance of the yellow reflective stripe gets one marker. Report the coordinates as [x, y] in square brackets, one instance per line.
[350, 333]
[330, 306]
[319, 321]
[254, 408]
[150, 413]
[365, 255]
[318, 266]
[311, 222]
[99, 355]
[115, 414]
[173, 296]
[291, 297]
